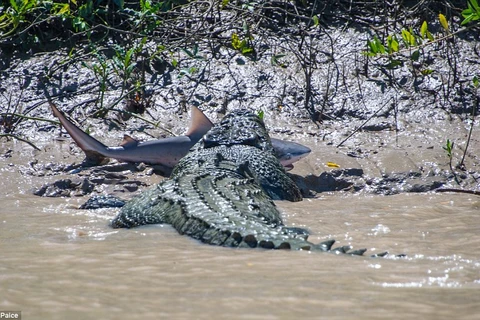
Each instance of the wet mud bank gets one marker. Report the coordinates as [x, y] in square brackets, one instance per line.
[376, 124]
[382, 160]
[384, 163]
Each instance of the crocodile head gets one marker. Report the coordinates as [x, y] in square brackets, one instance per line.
[240, 127]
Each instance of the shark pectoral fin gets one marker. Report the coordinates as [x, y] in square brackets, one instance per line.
[199, 124]
[128, 142]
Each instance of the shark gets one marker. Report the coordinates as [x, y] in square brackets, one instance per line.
[165, 152]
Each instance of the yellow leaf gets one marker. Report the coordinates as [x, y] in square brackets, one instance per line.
[332, 165]
[424, 29]
[443, 21]
[64, 9]
[236, 43]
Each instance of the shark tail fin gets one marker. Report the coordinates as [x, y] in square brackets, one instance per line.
[94, 150]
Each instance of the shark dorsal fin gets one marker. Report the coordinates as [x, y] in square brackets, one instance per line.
[128, 142]
[199, 124]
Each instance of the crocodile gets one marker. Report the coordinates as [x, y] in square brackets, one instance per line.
[222, 192]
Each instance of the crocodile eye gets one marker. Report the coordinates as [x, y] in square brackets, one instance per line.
[250, 141]
[210, 140]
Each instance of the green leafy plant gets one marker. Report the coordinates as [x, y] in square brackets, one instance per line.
[472, 13]
[49, 19]
[475, 82]
[101, 70]
[411, 41]
[375, 47]
[15, 15]
[243, 45]
[392, 44]
[146, 19]
[124, 63]
[409, 38]
[424, 33]
[448, 147]
[186, 71]
[225, 3]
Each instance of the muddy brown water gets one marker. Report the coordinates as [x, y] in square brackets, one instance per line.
[58, 262]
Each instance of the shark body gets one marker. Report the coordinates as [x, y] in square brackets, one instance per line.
[168, 151]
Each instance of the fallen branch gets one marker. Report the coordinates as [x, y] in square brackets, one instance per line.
[19, 138]
[477, 193]
[18, 115]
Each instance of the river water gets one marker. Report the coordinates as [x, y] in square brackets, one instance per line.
[58, 262]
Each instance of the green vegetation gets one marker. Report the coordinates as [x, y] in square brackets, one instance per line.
[472, 13]
[27, 19]
[412, 43]
[244, 45]
[449, 149]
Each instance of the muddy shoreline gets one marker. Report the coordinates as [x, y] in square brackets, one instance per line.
[385, 129]
[382, 163]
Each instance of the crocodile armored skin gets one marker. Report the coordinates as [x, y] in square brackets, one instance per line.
[222, 192]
